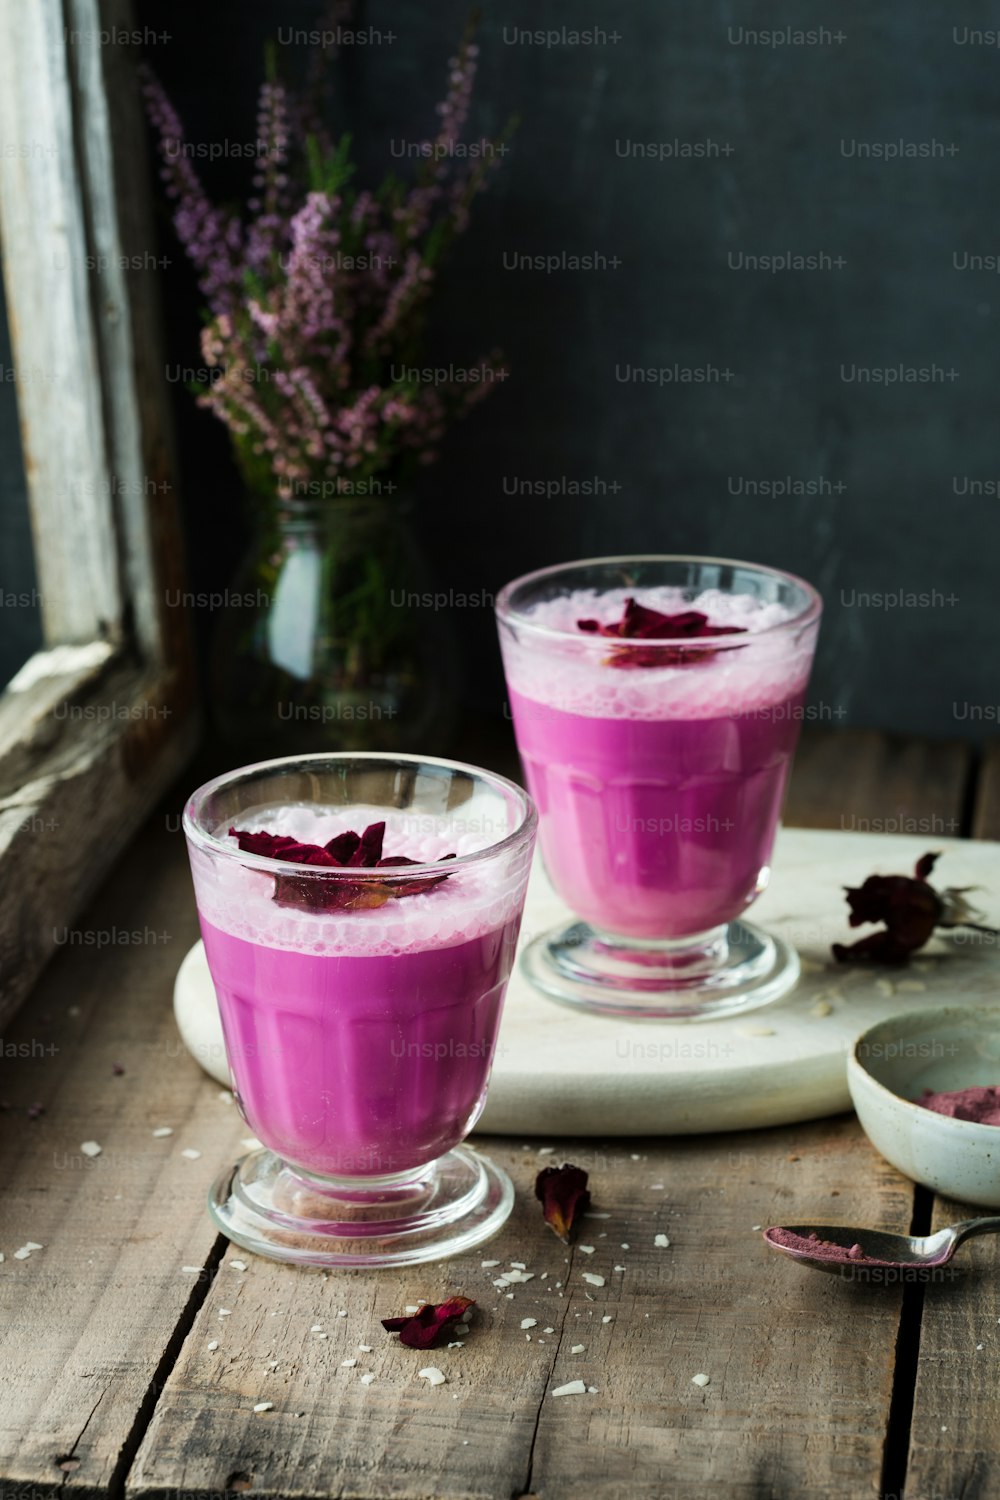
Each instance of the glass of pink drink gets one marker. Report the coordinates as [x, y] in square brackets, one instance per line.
[360, 983]
[657, 741]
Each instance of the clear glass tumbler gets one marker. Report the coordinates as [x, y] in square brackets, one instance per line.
[360, 915]
[657, 702]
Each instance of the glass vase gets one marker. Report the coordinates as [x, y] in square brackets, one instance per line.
[328, 638]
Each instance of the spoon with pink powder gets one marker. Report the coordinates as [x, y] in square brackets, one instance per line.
[831, 1247]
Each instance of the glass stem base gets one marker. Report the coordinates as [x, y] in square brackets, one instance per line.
[733, 968]
[276, 1210]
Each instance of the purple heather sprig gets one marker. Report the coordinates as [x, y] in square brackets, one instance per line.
[317, 295]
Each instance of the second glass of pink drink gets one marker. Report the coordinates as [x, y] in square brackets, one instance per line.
[360, 915]
[657, 703]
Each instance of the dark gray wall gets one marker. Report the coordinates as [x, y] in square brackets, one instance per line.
[675, 458]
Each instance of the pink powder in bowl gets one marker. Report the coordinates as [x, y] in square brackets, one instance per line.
[979, 1105]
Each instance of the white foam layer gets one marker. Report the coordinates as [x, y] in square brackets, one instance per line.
[570, 671]
[474, 900]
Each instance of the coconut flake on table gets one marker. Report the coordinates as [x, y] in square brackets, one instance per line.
[578, 1349]
[90, 1148]
[592, 1278]
[571, 1388]
[529, 1322]
[213, 1344]
[585, 1249]
[701, 1380]
[264, 1406]
[661, 1242]
[367, 1379]
[161, 1131]
[191, 1153]
[238, 1265]
[348, 1364]
[432, 1375]
[488, 1265]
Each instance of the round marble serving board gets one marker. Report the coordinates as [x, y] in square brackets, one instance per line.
[560, 1072]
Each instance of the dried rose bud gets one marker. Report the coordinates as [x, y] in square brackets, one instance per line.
[910, 908]
[562, 1192]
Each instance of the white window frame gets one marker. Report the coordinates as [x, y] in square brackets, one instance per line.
[96, 725]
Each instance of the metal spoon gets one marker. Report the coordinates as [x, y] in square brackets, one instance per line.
[877, 1246]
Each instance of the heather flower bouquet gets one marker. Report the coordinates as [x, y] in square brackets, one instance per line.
[317, 296]
[316, 300]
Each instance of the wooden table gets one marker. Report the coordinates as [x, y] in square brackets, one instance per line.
[819, 1388]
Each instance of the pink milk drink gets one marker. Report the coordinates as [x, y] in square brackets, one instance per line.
[656, 705]
[360, 916]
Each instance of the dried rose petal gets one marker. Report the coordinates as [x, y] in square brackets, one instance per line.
[369, 851]
[432, 1325]
[343, 846]
[562, 1192]
[910, 908]
[348, 850]
[639, 623]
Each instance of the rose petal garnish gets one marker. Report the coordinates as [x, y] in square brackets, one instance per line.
[432, 1325]
[369, 851]
[639, 623]
[347, 851]
[343, 846]
[562, 1192]
[910, 908]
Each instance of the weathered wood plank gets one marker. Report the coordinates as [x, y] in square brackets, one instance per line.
[85, 1322]
[864, 781]
[955, 1429]
[800, 1364]
[986, 814]
[44, 226]
[80, 778]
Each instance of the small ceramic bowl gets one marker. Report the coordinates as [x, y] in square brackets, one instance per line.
[893, 1063]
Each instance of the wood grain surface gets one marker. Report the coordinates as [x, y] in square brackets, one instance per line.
[799, 1382]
